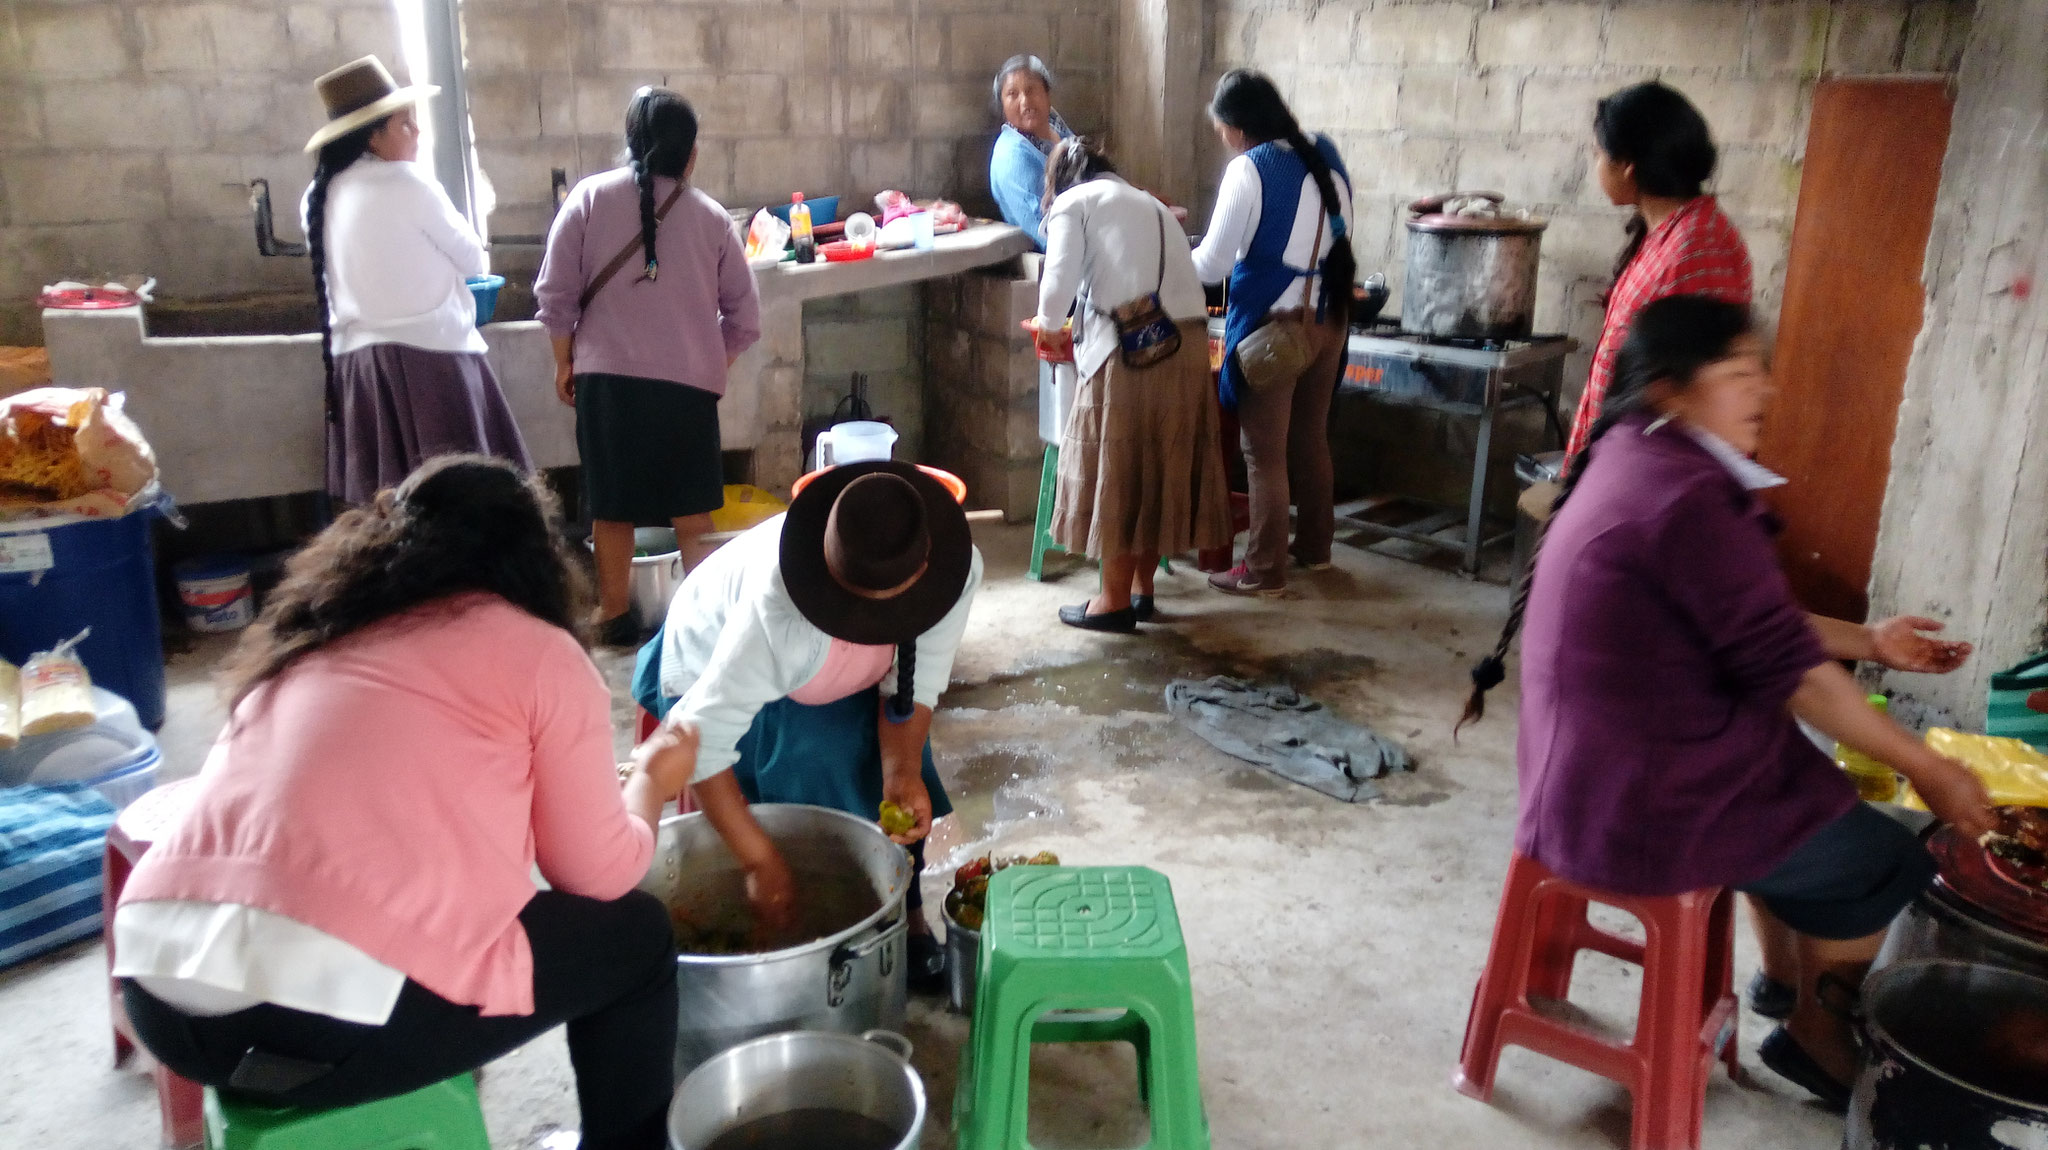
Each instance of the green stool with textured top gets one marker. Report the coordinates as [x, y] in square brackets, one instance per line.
[444, 1116]
[1081, 943]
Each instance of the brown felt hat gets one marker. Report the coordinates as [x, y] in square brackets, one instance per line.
[358, 93]
[875, 526]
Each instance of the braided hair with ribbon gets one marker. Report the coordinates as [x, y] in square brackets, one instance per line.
[661, 140]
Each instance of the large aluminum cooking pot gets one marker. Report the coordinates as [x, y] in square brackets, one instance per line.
[795, 1077]
[1470, 277]
[1958, 1058]
[849, 981]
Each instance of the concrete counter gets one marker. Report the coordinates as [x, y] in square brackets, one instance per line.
[240, 417]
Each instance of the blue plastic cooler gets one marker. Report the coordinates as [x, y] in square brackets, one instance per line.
[61, 575]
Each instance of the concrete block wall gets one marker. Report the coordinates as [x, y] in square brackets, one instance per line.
[981, 390]
[880, 333]
[819, 96]
[129, 128]
[1435, 96]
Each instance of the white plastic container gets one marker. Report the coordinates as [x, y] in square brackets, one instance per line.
[857, 441]
[216, 594]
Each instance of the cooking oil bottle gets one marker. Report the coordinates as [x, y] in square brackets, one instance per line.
[1874, 780]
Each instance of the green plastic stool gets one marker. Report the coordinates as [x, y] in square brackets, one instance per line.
[1079, 939]
[1041, 534]
[444, 1116]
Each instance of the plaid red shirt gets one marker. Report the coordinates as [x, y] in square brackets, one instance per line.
[1695, 252]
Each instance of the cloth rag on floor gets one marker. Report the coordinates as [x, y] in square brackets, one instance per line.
[1288, 734]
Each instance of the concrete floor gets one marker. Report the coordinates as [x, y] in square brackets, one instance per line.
[1334, 947]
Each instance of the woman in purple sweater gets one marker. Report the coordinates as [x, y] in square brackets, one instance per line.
[646, 291]
[1664, 664]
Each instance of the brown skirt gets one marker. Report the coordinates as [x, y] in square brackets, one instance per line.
[1141, 458]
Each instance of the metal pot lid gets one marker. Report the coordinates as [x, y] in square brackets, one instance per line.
[1972, 875]
[1428, 215]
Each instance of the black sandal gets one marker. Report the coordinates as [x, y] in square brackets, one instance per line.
[1122, 622]
[1789, 1060]
[1141, 606]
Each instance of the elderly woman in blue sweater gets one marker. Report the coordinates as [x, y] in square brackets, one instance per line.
[1016, 169]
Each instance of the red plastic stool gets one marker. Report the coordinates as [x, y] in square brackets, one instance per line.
[1686, 1019]
[180, 1101]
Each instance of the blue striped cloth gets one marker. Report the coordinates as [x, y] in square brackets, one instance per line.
[52, 845]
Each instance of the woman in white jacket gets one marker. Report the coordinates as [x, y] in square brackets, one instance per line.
[1141, 460]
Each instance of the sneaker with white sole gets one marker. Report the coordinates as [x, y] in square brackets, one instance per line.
[1239, 580]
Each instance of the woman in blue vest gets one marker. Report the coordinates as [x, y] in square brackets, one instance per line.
[1280, 236]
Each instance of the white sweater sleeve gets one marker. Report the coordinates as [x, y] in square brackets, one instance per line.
[435, 215]
[1234, 222]
[1066, 250]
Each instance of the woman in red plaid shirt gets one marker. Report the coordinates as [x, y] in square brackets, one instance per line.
[1654, 154]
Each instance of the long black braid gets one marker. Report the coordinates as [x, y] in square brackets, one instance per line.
[902, 704]
[1670, 341]
[661, 137]
[334, 158]
[1248, 101]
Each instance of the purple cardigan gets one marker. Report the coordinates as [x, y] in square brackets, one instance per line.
[686, 323]
[1661, 646]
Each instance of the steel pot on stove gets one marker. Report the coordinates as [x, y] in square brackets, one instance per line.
[1470, 276]
[849, 981]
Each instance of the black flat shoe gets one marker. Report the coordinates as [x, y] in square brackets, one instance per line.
[927, 965]
[1771, 998]
[1789, 1060]
[1122, 622]
[1141, 606]
[619, 631]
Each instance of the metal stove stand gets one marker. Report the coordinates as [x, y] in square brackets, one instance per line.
[1466, 378]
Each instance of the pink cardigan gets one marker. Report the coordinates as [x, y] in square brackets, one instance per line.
[395, 788]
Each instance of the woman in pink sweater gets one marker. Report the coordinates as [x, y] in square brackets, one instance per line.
[347, 912]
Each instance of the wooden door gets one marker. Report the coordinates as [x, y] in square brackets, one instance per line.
[1853, 305]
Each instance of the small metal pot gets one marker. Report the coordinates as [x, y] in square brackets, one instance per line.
[869, 1076]
[1958, 1058]
[963, 958]
[848, 982]
[1470, 277]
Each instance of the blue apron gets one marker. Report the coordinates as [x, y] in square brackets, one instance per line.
[1258, 280]
[828, 755]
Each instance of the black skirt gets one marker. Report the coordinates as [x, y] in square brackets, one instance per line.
[650, 449]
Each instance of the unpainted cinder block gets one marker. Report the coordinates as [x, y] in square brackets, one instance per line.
[1867, 38]
[1417, 34]
[663, 38]
[82, 187]
[978, 43]
[1543, 36]
[1743, 111]
[1690, 35]
[1349, 99]
[72, 40]
[121, 114]
[1527, 171]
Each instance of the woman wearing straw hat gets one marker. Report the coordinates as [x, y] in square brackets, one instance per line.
[406, 374]
[808, 654]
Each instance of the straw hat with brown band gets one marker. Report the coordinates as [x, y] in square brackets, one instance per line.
[358, 93]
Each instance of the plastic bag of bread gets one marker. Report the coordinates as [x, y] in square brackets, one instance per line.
[71, 450]
[56, 691]
[10, 704]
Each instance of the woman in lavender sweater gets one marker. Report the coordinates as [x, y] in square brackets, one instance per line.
[1664, 664]
[642, 354]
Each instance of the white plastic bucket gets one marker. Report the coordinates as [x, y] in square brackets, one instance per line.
[857, 441]
[216, 594]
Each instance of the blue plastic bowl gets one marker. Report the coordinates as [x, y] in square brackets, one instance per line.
[824, 210]
[485, 289]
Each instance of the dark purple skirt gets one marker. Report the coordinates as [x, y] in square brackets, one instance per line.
[395, 407]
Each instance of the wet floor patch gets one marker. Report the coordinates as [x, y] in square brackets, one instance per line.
[1135, 677]
[992, 790]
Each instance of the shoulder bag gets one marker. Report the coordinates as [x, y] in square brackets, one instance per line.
[604, 276]
[1277, 352]
[1145, 334]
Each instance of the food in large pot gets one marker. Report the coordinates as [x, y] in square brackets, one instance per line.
[1981, 908]
[842, 971]
[801, 1091]
[965, 906]
[1471, 268]
[1958, 1058]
